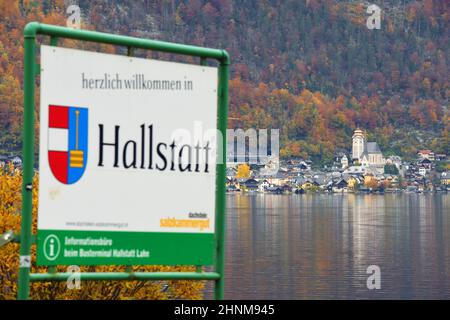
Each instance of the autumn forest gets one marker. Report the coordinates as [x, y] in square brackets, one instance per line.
[310, 68]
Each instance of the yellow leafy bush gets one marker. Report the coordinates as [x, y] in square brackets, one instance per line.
[10, 205]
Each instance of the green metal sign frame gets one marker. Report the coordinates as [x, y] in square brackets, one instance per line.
[33, 29]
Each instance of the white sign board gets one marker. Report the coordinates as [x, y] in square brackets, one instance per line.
[127, 160]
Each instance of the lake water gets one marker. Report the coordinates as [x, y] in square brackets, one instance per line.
[318, 246]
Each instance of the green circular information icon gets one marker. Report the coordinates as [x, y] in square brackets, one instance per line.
[52, 247]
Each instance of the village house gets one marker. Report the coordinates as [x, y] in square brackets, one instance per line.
[249, 185]
[424, 165]
[231, 172]
[395, 160]
[310, 184]
[263, 185]
[354, 170]
[233, 188]
[445, 178]
[278, 179]
[344, 162]
[426, 154]
[341, 160]
[340, 186]
[14, 160]
[3, 160]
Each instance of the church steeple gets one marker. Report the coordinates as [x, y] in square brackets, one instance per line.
[358, 144]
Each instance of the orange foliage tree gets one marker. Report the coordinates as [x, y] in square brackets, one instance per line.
[10, 204]
[243, 171]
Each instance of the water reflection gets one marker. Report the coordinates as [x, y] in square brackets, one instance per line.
[319, 246]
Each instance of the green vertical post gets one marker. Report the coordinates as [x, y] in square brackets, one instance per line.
[222, 125]
[28, 171]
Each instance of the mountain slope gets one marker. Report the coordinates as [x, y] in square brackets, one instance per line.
[311, 68]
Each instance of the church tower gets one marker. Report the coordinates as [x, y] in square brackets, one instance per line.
[358, 144]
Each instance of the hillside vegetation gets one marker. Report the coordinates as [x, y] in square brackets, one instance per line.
[310, 68]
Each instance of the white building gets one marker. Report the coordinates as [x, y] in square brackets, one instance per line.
[366, 153]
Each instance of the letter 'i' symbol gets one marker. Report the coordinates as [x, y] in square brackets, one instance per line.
[76, 156]
[52, 247]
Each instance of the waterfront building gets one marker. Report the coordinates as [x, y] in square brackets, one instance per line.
[367, 154]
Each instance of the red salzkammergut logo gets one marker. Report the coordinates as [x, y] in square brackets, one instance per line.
[67, 142]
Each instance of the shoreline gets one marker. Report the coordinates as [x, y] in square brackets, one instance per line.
[338, 193]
